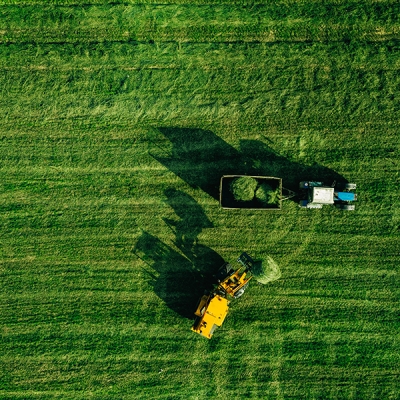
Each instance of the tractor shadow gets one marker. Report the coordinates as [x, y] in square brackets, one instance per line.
[180, 278]
[192, 220]
[176, 280]
[200, 158]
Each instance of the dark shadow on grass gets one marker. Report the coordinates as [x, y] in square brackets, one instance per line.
[192, 220]
[200, 158]
[178, 281]
[267, 162]
[179, 277]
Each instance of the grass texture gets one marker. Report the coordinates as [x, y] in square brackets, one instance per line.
[118, 120]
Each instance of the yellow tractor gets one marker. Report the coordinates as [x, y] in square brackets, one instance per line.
[213, 306]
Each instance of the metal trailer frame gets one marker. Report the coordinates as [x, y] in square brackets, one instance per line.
[276, 180]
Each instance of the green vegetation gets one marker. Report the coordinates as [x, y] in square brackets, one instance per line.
[266, 270]
[243, 188]
[266, 195]
[118, 120]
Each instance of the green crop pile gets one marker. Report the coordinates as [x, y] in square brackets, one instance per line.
[266, 270]
[266, 195]
[243, 188]
[118, 119]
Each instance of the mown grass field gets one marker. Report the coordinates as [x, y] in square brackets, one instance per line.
[117, 121]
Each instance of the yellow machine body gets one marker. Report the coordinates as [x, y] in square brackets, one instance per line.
[211, 311]
[213, 307]
[233, 283]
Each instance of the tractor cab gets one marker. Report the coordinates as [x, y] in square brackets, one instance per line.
[317, 194]
[321, 195]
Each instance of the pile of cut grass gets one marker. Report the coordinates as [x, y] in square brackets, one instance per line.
[244, 188]
[266, 270]
[266, 195]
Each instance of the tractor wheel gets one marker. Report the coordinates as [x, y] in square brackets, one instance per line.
[241, 291]
[346, 186]
[304, 185]
[350, 186]
[303, 203]
[225, 271]
[348, 207]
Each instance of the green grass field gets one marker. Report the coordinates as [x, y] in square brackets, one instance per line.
[117, 121]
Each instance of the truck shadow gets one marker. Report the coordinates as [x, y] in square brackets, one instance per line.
[179, 278]
[200, 158]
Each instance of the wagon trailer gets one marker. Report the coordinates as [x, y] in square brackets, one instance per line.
[267, 193]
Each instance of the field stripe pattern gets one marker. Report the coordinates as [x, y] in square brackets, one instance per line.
[118, 120]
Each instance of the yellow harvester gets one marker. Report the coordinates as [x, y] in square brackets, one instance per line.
[213, 306]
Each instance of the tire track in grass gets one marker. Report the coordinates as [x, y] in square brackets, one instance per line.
[307, 236]
[208, 23]
[276, 362]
